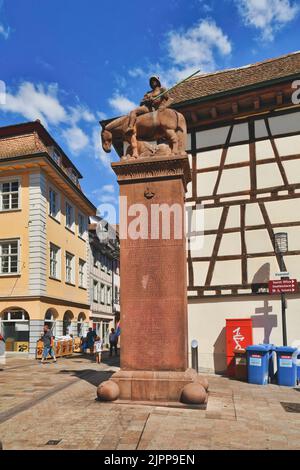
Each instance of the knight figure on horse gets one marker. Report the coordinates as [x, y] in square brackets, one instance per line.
[152, 101]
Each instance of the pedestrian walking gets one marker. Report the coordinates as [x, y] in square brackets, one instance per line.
[48, 343]
[113, 342]
[98, 348]
[90, 340]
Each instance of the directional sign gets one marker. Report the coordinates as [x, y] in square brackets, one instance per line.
[283, 274]
[283, 286]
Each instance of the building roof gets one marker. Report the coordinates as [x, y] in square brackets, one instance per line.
[20, 140]
[205, 86]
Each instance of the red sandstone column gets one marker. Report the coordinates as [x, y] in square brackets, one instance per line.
[153, 271]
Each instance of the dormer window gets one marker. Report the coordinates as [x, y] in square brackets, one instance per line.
[56, 156]
[73, 175]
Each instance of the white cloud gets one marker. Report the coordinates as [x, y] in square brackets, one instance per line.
[109, 188]
[106, 194]
[121, 104]
[100, 155]
[5, 32]
[196, 47]
[136, 72]
[80, 113]
[36, 102]
[268, 16]
[76, 139]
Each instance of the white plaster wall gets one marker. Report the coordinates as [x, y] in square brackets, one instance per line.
[283, 211]
[285, 123]
[240, 132]
[206, 183]
[264, 150]
[227, 272]
[207, 324]
[288, 145]
[258, 241]
[209, 158]
[260, 129]
[212, 217]
[230, 244]
[268, 176]
[237, 153]
[237, 179]
[253, 215]
[233, 217]
[292, 170]
[212, 137]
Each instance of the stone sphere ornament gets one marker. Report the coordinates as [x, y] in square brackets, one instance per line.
[193, 394]
[203, 381]
[108, 391]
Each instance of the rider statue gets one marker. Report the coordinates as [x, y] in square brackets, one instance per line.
[149, 104]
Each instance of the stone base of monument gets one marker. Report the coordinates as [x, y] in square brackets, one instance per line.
[160, 388]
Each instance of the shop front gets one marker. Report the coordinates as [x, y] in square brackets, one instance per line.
[14, 327]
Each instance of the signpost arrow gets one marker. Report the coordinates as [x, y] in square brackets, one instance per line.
[283, 286]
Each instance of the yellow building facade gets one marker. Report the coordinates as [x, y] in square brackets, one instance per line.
[43, 239]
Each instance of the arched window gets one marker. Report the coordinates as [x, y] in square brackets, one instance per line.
[67, 323]
[80, 325]
[50, 319]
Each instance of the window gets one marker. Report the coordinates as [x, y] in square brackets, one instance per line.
[103, 262]
[96, 257]
[108, 295]
[69, 268]
[81, 225]
[54, 261]
[95, 292]
[82, 266]
[116, 295]
[102, 293]
[53, 203]
[9, 257]
[56, 156]
[109, 266]
[9, 195]
[69, 216]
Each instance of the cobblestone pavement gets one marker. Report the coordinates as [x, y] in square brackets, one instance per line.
[57, 402]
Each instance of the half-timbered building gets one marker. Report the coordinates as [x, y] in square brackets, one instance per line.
[244, 150]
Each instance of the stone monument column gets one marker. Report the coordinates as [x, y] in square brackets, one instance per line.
[153, 181]
[154, 336]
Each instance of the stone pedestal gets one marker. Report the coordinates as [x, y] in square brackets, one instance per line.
[154, 356]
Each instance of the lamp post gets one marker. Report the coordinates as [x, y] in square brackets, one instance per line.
[281, 248]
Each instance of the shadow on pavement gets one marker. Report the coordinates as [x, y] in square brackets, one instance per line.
[94, 377]
[106, 359]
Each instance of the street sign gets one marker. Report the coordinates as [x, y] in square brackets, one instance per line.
[283, 274]
[283, 286]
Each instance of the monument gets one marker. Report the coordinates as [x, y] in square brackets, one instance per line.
[153, 178]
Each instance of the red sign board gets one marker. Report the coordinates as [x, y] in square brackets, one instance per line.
[283, 286]
[238, 336]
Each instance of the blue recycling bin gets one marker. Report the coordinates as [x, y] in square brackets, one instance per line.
[286, 366]
[258, 363]
[272, 359]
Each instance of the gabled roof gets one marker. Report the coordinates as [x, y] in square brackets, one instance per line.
[224, 81]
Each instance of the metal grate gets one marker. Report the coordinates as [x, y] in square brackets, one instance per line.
[53, 442]
[291, 407]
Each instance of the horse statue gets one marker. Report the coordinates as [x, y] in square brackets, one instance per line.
[165, 125]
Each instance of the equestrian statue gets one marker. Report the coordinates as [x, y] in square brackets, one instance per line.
[152, 121]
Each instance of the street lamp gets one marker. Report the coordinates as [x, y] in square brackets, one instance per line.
[281, 248]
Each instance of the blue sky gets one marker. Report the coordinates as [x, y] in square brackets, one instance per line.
[71, 63]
